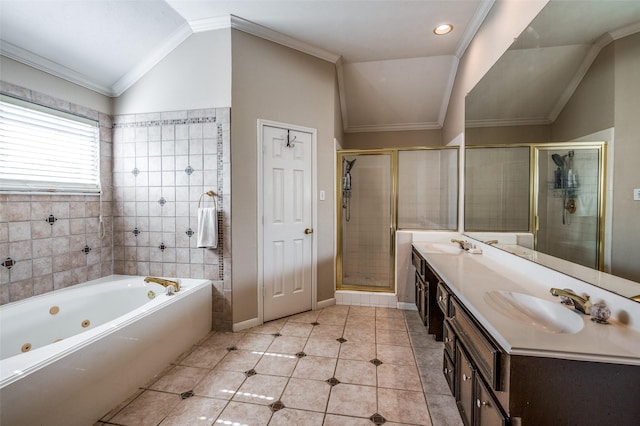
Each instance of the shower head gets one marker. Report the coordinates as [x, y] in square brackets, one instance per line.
[558, 160]
[350, 165]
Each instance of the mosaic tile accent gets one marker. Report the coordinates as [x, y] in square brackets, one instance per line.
[190, 232]
[187, 394]
[162, 247]
[136, 232]
[51, 219]
[341, 340]
[86, 249]
[301, 354]
[250, 373]
[376, 362]
[276, 406]
[378, 419]
[8, 263]
[333, 381]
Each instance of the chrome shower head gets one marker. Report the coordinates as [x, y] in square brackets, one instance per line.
[558, 160]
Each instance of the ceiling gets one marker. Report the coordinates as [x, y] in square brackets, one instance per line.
[393, 72]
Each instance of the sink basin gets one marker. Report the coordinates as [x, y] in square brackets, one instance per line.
[443, 248]
[542, 314]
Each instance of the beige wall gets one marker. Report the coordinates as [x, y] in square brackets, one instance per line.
[25, 76]
[276, 83]
[197, 74]
[401, 139]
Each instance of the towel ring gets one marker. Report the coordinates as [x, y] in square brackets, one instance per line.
[211, 194]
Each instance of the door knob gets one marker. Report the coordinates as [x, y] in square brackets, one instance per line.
[308, 231]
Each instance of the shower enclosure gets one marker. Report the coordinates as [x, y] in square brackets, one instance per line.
[367, 221]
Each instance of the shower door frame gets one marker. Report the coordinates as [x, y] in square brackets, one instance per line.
[393, 152]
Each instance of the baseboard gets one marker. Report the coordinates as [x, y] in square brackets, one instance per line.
[407, 306]
[326, 303]
[246, 324]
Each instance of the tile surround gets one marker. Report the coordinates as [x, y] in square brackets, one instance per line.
[405, 387]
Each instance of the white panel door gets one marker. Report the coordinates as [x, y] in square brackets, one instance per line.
[288, 233]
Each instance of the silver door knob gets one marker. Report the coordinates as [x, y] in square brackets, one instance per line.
[308, 231]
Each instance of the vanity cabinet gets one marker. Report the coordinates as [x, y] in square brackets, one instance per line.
[426, 283]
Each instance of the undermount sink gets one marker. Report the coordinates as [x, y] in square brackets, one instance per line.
[539, 313]
[443, 248]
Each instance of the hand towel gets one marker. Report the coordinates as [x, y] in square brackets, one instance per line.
[207, 227]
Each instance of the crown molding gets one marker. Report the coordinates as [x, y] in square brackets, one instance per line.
[444, 106]
[342, 96]
[474, 25]
[393, 127]
[625, 31]
[152, 59]
[536, 121]
[38, 62]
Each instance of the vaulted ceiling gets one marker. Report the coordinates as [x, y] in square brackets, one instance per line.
[394, 73]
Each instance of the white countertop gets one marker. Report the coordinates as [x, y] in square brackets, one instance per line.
[471, 276]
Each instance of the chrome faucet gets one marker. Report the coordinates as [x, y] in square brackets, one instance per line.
[582, 304]
[491, 242]
[464, 245]
[165, 283]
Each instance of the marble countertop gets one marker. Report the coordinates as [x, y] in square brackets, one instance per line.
[471, 276]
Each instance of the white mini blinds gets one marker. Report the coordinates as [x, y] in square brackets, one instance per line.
[45, 150]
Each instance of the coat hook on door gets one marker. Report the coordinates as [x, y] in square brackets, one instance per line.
[290, 142]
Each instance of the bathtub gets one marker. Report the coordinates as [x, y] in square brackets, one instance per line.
[70, 356]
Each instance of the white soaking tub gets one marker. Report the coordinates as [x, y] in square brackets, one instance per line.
[71, 355]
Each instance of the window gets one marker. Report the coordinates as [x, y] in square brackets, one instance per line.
[45, 150]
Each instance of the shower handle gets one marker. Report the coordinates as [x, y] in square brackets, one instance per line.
[308, 231]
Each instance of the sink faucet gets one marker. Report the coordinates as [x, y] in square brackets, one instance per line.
[636, 298]
[464, 245]
[582, 304]
[165, 283]
[491, 242]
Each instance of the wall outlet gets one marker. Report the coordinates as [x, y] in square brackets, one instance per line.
[636, 194]
[322, 195]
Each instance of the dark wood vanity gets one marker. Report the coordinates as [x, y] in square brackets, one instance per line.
[493, 387]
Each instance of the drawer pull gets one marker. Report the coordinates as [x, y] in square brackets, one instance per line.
[440, 298]
[482, 403]
[446, 370]
[465, 377]
[448, 339]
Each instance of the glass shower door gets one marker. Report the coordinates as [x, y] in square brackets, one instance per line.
[365, 257]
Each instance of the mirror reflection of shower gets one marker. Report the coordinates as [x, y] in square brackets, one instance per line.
[346, 187]
[566, 182]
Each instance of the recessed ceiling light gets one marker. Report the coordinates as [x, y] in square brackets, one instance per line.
[443, 29]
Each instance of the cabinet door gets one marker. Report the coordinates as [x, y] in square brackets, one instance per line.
[464, 386]
[449, 371]
[487, 411]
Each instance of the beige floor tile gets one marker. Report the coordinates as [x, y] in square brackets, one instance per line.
[148, 409]
[356, 372]
[270, 327]
[220, 384]
[317, 368]
[327, 331]
[276, 364]
[357, 351]
[392, 337]
[322, 347]
[287, 345]
[401, 355]
[261, 389]
[305, 394]
[403, 406]
[384, 323]
[255, 342]
[352, 400]
[405, 377]
[239, 361]
[297, 329]
[361, 322]
[195, 411]
[240, 413]
[180, 379]
[223, 340]
[332, 318]
[336, 420]
[360, 335]
[290, 416]
[305, 317]
[362, 311]
[204, 357]
[389, 313]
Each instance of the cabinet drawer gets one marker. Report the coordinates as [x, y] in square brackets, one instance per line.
[449, 339]
[484, 352]
[449, 372]
[442, 296]
[419, 263]
[487, 409]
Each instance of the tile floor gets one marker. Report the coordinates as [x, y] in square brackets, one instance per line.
[342, 365]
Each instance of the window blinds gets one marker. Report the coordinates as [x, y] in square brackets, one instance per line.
[46, 150]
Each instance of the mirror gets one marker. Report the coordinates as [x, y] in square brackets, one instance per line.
[570, 77]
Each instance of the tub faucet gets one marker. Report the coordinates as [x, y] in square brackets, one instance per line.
[491, 242]
[464, 245]
[582, 304]
[163, 282]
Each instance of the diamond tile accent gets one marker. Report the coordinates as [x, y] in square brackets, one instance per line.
[250, 373]
[51, 219]
[315, 323]
[341, 340]
[8, 263]
[378, 419]
[333, 381]
[190, 232]
[187, 394]
[135, 171]
[277, 334]
[232, 348]
[189, 170]
[162, 246]
[301, 354]
[86, 249]
[136, 231]
[276, 406]
[376, 362]
[162, 201]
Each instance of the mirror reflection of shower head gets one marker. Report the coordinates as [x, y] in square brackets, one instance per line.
[558, 160]
[350, 165]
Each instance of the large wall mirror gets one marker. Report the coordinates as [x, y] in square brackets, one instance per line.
[572, 77]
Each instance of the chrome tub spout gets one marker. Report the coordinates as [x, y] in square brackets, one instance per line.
[165, 283]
